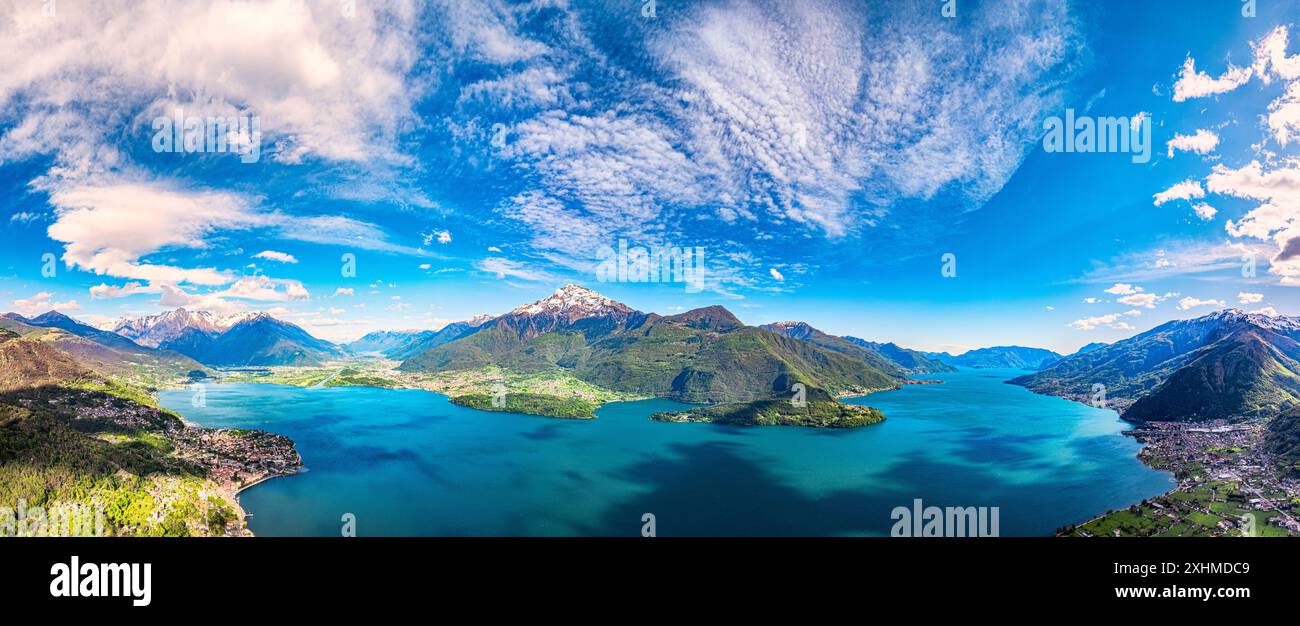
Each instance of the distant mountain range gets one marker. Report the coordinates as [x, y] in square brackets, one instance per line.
[154, 330]
[1226, 365]
[98, 349]
[705, 355]
[887, 357]
[251, 339]
[1014, 357]
[404, 344]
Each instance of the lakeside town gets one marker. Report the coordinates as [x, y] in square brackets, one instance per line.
[191, 475]
[237, 459]
[1229, 485]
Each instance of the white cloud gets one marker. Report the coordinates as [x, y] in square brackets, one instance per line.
[40, 303]
[323, 84]
[782, 119]
[1272, 61]
[104, 290]
[507, 268]
[1276, 219]
[1194, 84]
[1268, 310]
[1111, 320]
[1123, 289]
[1284, 114]
[173, 296]
[1145, 300]
[1189, 303]
[1135, 122]
[106, 229]
[1091, 300]
[441, 236]
[1249, 298]
[346, 232]
[344, 291]
[266, 289]
[1202, 142]
[1185, 190]
[1173, 259]
[272, 255]
[1204, 211]
[112, 228]
[425, 266]
[775, 274]
[1133, 312]
[1271, 58]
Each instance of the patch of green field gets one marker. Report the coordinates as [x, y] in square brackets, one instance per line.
[1126, 521]
[1204, 519]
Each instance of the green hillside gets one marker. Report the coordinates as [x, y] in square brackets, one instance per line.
[664, 357]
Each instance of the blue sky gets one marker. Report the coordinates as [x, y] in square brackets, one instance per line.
[474, 156]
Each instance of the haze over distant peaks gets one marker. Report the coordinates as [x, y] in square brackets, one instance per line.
[404, 344]
[1012, 357]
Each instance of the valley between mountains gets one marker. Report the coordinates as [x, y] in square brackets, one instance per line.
[1215, 397]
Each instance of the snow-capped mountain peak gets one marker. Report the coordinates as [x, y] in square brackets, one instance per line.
[479, 320]
[573, 302]
[152, 330]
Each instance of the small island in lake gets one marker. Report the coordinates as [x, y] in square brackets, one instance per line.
[819, 410]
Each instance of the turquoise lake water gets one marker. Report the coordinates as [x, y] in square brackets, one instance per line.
[410, 463]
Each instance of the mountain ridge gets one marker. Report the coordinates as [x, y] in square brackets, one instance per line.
[1014, 357]
[702, 355]
[1225, 365]
[240, 339]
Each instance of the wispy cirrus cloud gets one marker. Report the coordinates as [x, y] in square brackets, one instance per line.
[772, 122]
[1177, 259]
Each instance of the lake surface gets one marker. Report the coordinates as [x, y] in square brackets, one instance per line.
[410, 463]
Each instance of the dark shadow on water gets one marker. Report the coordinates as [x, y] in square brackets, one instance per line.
[544, 432]
[985, 445]
[373, 456]
[711, 489]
